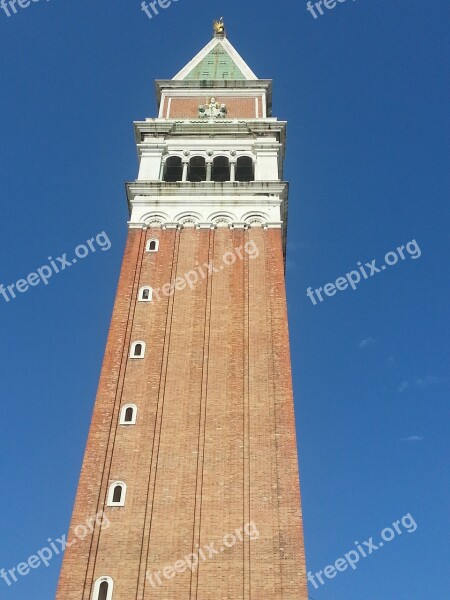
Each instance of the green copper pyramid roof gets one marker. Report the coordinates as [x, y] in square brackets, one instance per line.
[217, 64]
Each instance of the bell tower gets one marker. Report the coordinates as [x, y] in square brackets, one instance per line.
[191, 458]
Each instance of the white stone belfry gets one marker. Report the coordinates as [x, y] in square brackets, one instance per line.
[214, 156]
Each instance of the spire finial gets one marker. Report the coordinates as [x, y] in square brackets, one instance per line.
[219, 28]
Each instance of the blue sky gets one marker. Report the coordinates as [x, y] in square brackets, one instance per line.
[363, 88]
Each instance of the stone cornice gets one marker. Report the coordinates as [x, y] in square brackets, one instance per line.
[159, 189]
[191, 84]
[237, 128]
[231, 225]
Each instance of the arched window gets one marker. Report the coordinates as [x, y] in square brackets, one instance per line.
[197, 169]
[152, 245]
[103, 589]
[173, 169]
[221, 169]
[128, 414]
[244, 169]
[137, 350]
[117, 493]
[145, 294]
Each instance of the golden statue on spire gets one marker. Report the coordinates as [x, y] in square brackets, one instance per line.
[219, 27]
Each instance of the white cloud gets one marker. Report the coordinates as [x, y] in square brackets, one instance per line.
[427, 381]
[420, 382]
[403, 386]
[366, 342]
[413, 438]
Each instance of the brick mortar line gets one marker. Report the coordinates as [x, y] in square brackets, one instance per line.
[246, 483]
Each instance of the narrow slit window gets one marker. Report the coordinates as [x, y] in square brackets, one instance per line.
[137, 350]
[117, 493]
[152, 245]
[103, 589]
[145, 294]
[117, 496]
[128, 414]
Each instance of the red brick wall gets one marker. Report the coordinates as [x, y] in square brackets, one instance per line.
[214, 444]
[187, 108]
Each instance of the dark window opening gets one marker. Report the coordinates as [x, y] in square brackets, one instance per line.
[244, 169]
[129, 414]
[138, 350]
[152, 245]
[103, 591]
[117, 496]
[146, 294]
[221, 169]
[173, 170]
[197, 169]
